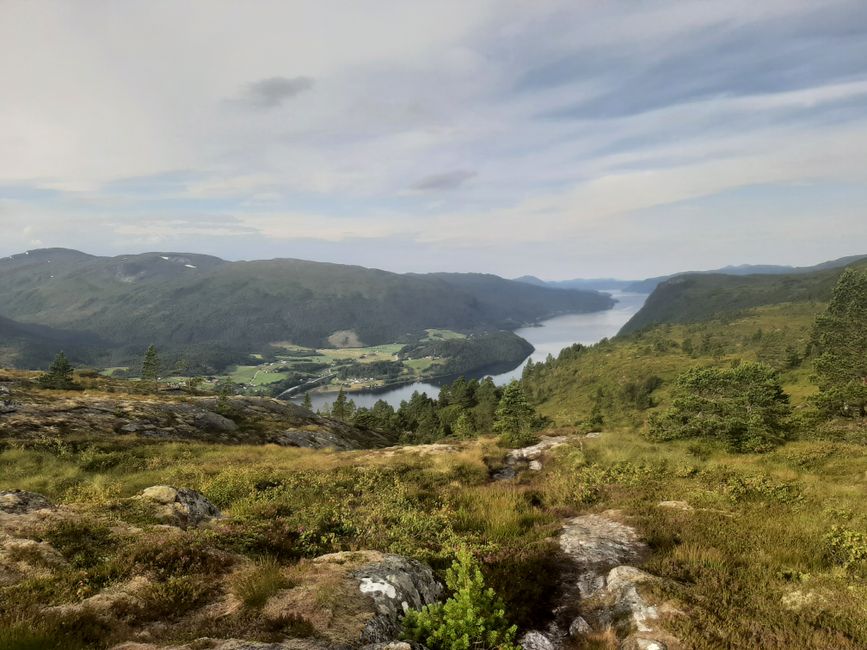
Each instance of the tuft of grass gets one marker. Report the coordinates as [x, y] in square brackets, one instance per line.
[255, 586]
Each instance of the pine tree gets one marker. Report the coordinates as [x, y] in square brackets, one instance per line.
[840, 335]
[514, 417]
[464, 426]
[343, 408]
[150, 368]
[307, 403]
[59, 375]
[473, 617]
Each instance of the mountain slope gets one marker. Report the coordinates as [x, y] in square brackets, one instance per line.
[700, 297]
[216, 310]
[27, 345]
[649, 284]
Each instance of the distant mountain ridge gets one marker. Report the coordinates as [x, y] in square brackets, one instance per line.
[216, 311]
[649, 284]
[699, 297]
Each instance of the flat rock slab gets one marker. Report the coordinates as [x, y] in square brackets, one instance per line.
[19, 502]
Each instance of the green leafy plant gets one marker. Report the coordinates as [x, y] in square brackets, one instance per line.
[472, 618]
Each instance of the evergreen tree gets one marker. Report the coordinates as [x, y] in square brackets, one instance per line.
[307, 403]
[514, 417]
[59, 375]
[744, 406]
[464, 426]
[343, 408]
[472, 618]
[150, 367]
[840, 336]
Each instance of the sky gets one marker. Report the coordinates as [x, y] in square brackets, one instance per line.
[561, 139]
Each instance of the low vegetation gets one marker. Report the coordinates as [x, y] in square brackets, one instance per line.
[716, 443]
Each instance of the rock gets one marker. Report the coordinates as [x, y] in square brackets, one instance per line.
[534, 640]
[312, 440]
[579, 627]
[626, 604]
[675, 505]
[183, 506]
[210, 421]
[206, 643]
[7, 406]
[19, 502]
[5, 390]
[394, 645]
[642, 643]
[596, 544]
[528, 457]
[355, 598]
[396, 584]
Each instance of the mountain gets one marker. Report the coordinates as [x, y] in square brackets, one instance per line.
[217, 311]
[587, 284]
[28, 345]
[649, 284]
[699, 297]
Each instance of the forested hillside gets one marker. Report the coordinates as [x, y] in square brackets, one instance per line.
[217, 311]
[699, 297]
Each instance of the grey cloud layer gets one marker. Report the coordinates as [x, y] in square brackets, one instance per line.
[550, 138]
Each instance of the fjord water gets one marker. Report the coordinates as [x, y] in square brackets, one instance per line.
[549, 337]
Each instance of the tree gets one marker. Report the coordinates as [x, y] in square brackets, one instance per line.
[840, 337]
[343, 408]
[59, 375]
[150, 367]
[472, 618]
[464, 426]
[514, 417]
[744, 406]
[307, 402]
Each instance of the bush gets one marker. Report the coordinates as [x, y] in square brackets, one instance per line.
[745, 407]
[473, 618]
[846, 548]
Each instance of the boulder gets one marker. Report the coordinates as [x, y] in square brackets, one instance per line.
[529, 457]
[534, 640]
[210, 421]
[181, 506]
[19, 502]
[579, 627]
[355, 598]
[7, 406]
[396, 584]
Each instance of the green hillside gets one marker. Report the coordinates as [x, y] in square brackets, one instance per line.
[218, 311]
[699, 297]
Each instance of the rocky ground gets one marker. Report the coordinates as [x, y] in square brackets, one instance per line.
[28, 412]
[347, 599]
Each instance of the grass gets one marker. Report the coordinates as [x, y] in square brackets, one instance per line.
[256, 585]
[771, 554]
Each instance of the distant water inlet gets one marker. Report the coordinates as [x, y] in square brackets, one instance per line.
[548, 337]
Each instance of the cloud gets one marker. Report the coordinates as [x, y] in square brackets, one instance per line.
[592, 122]
[445, 181]
[274, 91]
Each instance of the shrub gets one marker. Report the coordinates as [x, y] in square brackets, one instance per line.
[846, 548]
[472, 618]
[745, 407]
[82, 542]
